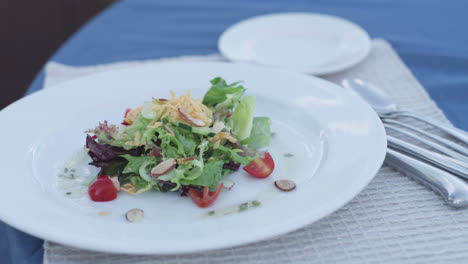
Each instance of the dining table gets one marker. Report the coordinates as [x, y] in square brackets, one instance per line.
[430, 36]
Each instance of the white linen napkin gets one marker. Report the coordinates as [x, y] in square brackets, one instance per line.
[56, 73]
[394, 220]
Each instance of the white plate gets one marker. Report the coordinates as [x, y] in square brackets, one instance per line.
[338, 144]
[304, 42]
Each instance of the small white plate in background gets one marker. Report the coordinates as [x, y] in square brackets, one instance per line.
[305, 42]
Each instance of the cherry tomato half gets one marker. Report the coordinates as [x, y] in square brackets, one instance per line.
[102, 190]
[204, 198]
[261, 167]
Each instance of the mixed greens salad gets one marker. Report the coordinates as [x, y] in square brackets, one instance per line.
[181, 145]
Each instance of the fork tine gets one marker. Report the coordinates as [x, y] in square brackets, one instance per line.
[440, 140]
[431, 144]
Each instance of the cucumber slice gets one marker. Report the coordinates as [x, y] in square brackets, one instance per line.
[184, 126]
[148, 113]
[205, 131]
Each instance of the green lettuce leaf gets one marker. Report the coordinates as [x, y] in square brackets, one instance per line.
[145, 168]
[138, 182]
[149, 134]
[187, 139]
[115, 168]
[139, 125]
[242, 118]
[227, 154]
[170, 145]
[134, 163]
[140, 166]
[192, 170]
[260, 133]
[211, 176]
[223, 95]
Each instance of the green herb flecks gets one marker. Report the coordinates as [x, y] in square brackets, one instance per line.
[243, 207]
[256, 203]
[235, 209]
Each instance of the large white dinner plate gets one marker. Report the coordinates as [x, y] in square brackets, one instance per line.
[304, 42]
[337, 141]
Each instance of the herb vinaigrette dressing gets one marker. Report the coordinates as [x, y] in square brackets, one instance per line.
[74, 175]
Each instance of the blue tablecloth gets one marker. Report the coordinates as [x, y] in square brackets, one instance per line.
[431, 36]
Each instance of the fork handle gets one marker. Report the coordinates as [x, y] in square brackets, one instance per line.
[433, 144]
[456, 167]
[452, 189]
[454, 132]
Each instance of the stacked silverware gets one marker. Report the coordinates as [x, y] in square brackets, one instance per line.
[442, 164]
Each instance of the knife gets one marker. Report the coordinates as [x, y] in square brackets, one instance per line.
[452, 189]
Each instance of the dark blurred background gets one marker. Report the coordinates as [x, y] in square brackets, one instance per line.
[30, 32]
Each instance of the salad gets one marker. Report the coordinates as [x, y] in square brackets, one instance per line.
[183, 145]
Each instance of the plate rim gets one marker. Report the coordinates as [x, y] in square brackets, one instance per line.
[303, 221]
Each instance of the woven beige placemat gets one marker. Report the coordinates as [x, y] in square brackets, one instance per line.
[394, 220]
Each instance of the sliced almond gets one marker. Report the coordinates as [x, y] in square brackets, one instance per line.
[218, 127]
[190, 158]
[168, 129]
[228, 184]
[104, 213]
[134, 215]
[189, 119]
[183, 161]
[115, 181]
[285, 185]
[163, 167]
